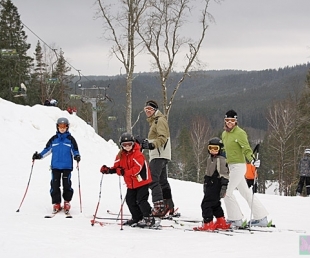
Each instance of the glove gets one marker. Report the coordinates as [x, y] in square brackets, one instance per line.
[223, 191]
[104, 169]
[256, 163]
[36, 155]
[77, 158]
[148, 145]
[139, 139]
[120, 171]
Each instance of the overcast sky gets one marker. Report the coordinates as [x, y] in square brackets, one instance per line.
[247, 34]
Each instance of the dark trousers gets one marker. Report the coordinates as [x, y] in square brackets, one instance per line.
[160, 186]
[301, 183]
[57, 175]
[211, 202]
[137, 201]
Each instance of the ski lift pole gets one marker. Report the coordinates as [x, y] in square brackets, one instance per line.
[26, 187]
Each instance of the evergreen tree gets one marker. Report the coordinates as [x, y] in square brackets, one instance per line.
[39, 77]
[184, 157]
[61, 93]
[14, 63]
[303, 109]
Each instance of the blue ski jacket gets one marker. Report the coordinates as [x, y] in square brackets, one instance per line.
[63, 148]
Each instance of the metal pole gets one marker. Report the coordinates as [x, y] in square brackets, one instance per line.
[94, 105]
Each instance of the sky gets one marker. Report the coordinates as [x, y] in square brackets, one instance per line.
[27, 234]
[246, 35]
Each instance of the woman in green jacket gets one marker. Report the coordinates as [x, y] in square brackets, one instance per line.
[238, 152]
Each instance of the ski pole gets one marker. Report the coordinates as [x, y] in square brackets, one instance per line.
[27, 186]
[121, 209]
[255, 179]
[78, 169]
[95, 215]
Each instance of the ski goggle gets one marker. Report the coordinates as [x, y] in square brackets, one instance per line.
[213, 147]
[62, 126]
[126, 144]
[148, 109]
[231, 120]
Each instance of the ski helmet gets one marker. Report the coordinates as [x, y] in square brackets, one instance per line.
[126, 137]
[62, 120]
[216, 141]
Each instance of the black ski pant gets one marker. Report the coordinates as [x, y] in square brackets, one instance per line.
[301, 183]
[160, 186]
[211, 202]
[137, 201]
[57, 175]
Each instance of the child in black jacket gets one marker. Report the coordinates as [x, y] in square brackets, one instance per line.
[215, 185]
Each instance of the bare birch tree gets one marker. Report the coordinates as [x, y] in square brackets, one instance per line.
[282, 125]
[120, 23]
[161, 31]
[200, 133]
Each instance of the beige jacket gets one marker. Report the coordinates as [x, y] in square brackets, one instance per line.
[159, 135]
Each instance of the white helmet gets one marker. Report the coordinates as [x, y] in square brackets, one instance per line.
[307, 151]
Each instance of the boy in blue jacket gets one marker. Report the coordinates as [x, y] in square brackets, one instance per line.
[64, 149]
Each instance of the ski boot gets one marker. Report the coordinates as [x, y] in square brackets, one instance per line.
[221, 223]
[56, 207]
[207, 226]
[147, 222]
[259, 222]
[67, 206]
[131, 222]
[159, 209]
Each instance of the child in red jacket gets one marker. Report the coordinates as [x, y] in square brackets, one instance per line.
[132, 165]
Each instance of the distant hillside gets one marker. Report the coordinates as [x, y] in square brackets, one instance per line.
[209, 94]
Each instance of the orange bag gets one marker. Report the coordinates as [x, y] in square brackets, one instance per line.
[250, 171]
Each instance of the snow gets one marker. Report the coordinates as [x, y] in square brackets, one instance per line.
[27, 233]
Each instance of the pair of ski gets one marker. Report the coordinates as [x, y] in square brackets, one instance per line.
[166, 217]
[157, 225]
[54, 213]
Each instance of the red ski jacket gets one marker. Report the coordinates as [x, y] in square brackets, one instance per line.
[137, 172]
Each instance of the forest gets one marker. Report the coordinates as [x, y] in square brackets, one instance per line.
[272, 105]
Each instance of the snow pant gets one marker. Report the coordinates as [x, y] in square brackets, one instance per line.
[137, 202]
[160, 186]
[301, 183]
[250, 183]
[236, 180]
[57, 175]
[211, 204]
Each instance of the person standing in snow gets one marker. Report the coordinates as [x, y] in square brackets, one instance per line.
[238, 152]
[64, 149]
[214, 188]
[304, 173]
[132, 165]
[159, 146]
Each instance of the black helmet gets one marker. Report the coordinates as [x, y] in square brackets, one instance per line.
[216, 141]
[126, 137]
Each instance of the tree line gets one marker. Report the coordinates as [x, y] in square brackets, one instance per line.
[278, 120]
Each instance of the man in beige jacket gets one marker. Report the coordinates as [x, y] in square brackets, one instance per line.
[159, 146]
